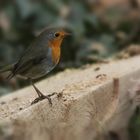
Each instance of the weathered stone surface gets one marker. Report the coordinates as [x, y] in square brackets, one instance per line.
[88, 100]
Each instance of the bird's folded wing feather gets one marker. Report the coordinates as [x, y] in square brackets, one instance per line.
[32, 56]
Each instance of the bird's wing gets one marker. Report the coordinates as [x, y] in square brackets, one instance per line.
[28, 64]
[32, 56]
[23, 66]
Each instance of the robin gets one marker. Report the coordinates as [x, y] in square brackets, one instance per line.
[39, 59]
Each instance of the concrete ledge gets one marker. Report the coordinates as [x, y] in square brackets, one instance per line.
[89, 97]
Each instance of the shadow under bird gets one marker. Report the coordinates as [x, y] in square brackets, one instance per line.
[39, 59]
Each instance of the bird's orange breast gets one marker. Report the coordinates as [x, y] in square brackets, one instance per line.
[55, 45]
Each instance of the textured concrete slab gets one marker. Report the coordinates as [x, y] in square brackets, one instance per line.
[87, 99]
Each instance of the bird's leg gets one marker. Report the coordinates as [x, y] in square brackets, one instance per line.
[40, 95]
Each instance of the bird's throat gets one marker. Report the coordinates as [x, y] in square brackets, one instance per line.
[56, 50]
[56, 54]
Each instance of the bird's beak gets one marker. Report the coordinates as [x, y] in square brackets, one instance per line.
[67, 34]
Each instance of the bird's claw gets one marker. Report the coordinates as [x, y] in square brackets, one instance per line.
[42, 97]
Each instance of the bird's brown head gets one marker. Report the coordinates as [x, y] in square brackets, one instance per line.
[55, 37]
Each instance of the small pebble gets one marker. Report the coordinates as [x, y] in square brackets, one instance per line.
[20, 108]
[101, 75]
[97, 68]
[2, 103]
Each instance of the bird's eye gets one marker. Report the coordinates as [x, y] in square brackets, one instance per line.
[57, 34]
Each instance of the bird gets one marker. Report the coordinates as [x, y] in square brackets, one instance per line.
[39, 59]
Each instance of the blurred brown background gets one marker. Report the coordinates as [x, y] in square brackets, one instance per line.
[101, 29]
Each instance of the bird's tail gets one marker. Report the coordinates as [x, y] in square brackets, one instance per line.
[7, 68]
